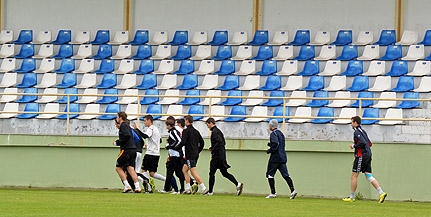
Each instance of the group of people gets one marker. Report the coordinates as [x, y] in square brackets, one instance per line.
[184, 144]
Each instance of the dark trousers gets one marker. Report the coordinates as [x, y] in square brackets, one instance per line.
[225, 174]
[174, 165]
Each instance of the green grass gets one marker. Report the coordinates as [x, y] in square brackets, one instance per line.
[60, 202]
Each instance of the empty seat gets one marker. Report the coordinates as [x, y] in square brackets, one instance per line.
[376, 68]
[269, 67]
[30, 111]
[424, 86]
[247, 67]
[84, 51]
[371, 52]
[108, 81]
[126, 66]
[87, 81]
[82, 37]
[239, 38]
[290, 67]
[90, 96]
[302, 115]
[110, 112]
[43, 37]
[244, 52]
[276, 98]
[86, 65]
[220, 38]
[26, 51]
[415, 52]
[160, 37]
[91, 112]
[364, 38]
[170, 97]
[409, 37]
[7, 50]
[24, 37]
[421, 68]
[28, 80]
[237, 113]
[168, 82]
[327, 52]
[337, 83]
[155, 111]
[123, 52]
[109, 96]
[148, 81]
[48, 80]
[50, 111]
[196, 111]
[273, 82]
[311, 67]
[258, 114]
[405, 83]
[360, 83]
[104, 51]
[256, 98]
[382, 83]
[180, 37]
[392, 117]
[69, 95]
[345, 116]
[297, 98]
[226, 67]
[321, 38]
[199, 38]
[363, 101]
[387, 37]
[47, 65]
[324, 115]
[305, 53]
[341, 99]
[260, 38]
[316, 101]
[6, 36]
[393, 52]
[63, 37]
[66, 65]
[354, 68]
[141, 37]
[120, 37]
[252, 82]
[190, 81]
[279, 38]
[128, 81]
[216, 112]
[144, 52]
[102, 37]
[209, 82]
[106, 66]
[186, 67]
[315, 83]
[331, 68]
[9, 80]
[284, 53]
[27, 65]
[8, 65]
[65, 51]
[163, 52]
[129, 96]
[302, 37]
[165, 67]
[145, 67]
[344, 37]
[183, 52]
[174, 110]
[426, 40]
[150, 97]
[69, 80]
[236, 98]
[231, 82]
[223, 52]
[409, 103]
[71, 110]
[205, 67]
[386, 100]
[191, 98]
[370, 115]
[293, 83]
[349, 52]
[29, 95]
[398, 68]
[211, 98]
[203, 52]
[9, 94]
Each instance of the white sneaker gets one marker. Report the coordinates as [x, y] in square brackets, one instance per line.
[187, 191]
[203, 192]
[127, 189]
[239, 188]
[175, 192]
[271, 196]
[162, 191]
[293, 195]
[208, 194]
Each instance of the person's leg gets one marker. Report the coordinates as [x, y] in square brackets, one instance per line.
[353, 185]
[270, 173]
[212, 179]
[169, 176]
[285, 174]
[138, 161]
[195, 175]
[178, 172]
[228, 176]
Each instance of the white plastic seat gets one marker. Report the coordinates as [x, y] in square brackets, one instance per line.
[214, 101]
[163, 52]
[199, 38]
[202, 53]
[10, 110]
[279, 38]
[128, 81]
[45, 51]
[302, 115]
[6, 36]
[51, 111]
[371, 52]
[86, 65]
[46, 98]
[217, 112]
[327, 52]
[239, 38]
[87, 98]
[48, 80]
[129, 99]
[258, 111]
[376, 68]
[7, 50]
[170, 97]
[244, 53]
[337, 83]
[43, 37]
[284, 53]
[205, 67]
[120, 37]
[84, 51]
[9, 79]
[9, 98]
[332, 67]
[421, 68]
[293, 83]
[424, 86]
[126, 66]
[90, 112]
[415, 52]
[382, 83]
[386, 103]
[365, 38]
[165, 67]
[341, 100]
[297, 102]
[8, 65]
[290, 67]
[322, 38]
[82, 37]
[345, 116]
[88, 80]
[209, 82]
[160, 37]
[408, 38]
[247, 67]
[175, 110]
[251, 82]
[392, 113]
[253, 101]
[132, 111]
[168, 82]
[123, 52]
[47, 65]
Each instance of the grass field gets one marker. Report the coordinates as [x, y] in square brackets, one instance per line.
[60, 202]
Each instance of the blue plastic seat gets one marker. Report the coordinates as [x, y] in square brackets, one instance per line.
[63, 37]
[220, 38]
[324, 115]
[183, 52]
[302, 37]
[196, 110]
[269, 67]
[141, 37]
[106, 66]
[155, 110]
[223, 52]
[24, 37]
[69, 80]
[32, 108]
[148, 81]
[102, 37]
[144, 52]
[311, 67]
[393, 52]
[428, 57]
[278, 111]
[315, 83]
[260, 38]
[67, 65]
[180, 37]
[275, 101]
[404, 84]
[427, 38]
[73, 96]
[349, 52]
[319, 102]
[230, 82]
[108, 81]
[227, 67]
[110, 112]
[65, 51]
[365, 103]
[190, 81]
[148, 99]
[27, 65]
[354, 68]
[387, 37]
[305, 53]
[28, 97]
[29, 80]
[26, 51]
[104, 52]
[407, 104]
[74, 108]
[186, 67]
[110, 96]
[398, 68]
[238, 111]
[371, 113]
[263, 53]
[273, 82]
[190, 100]
[344, 37]
[360, 83]
[233, 101]
[145, 67]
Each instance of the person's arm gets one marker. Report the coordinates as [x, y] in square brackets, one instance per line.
[174, 135]
[201, 142]
[273, 143]
[140, 133]
[362, 141]
[124, 134]
[218, 141]
[184, 139]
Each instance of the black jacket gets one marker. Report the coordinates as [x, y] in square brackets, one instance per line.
[362, 143]
[218, 144]
[125, 137]
[277, 147]
[193, 142]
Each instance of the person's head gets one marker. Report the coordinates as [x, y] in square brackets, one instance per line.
[148, 120]
[189, 120]
[273, 124]
[170, 122]
[121, 117]
[181, 123]
[210, 123]
[355, 121]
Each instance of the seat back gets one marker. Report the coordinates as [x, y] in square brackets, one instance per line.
[82, 37]
[247, 67]
[230, 82]
[191, 100]
[293, 83]
[324, 115]
[239, 38]
[26, 51]
[9, 98]
[371, 52]
[205, 67]
[43, 37]
[345, 116]
[364, 103]
[29, 80]
[233, 101]
[311, 67]
[105, 66]
[393, 52]
[120, 37]
[260, 37]
[69, 95]
[180, 37]
[29, 95]
[331, 68]
[30, 110]
[322, 38]
[327, 52]
[168, 82]
[409, 37]
[67, 65]
[284, 53]
[148, 99]
[302, 37]
[63, 37]
[244, 52]
[279, 38]
[319, 102]
[273, 101]
[186, 67]
[109, 80]
[84, 51]
[290, 67]
[315, 83]
[47, 65]
[104, 52]
[190, 81]
[387, 37]
[111, 111]
[354, 67]
[364, 38]
[376, 68]
[124, 51]
[409, 103]
[344, 37]
[145, 67]
[223, 52]
[273, 82]
[220, 38]
[404, 84]
[110, 96]
[421, 68]
[27, 65]
[278, 111]
[65, 51]
[154, 110]
[264, 52]
[360, 83]
[141, 37]
[269, 67]
[160, 37]
[7, 50]
[126, 66]
[24, 37]
[196, 111]
[144, 52]
[226, 67]
[6, 36]
[251, 82]
[337, 83]
[369, 116]
[8, 64]
[86, 65]
[128, 81]
[306, 52]
[199, 38]
[398, 68]
[237, 113]
[349, 52]
[102, 37]
[183, 52]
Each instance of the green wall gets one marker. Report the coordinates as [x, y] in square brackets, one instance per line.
[318, 168]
